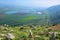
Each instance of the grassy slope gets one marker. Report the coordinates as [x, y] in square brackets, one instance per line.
[24, 33]
[20, 33]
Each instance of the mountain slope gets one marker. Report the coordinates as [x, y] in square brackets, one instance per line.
[54, 14]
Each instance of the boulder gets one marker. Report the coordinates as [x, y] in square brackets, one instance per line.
[10, 36]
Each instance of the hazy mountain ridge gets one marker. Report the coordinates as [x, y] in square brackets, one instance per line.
[54, 14]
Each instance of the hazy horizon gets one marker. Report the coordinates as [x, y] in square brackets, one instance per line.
[30, 3]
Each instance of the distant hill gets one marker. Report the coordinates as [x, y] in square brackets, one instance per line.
[53, 14]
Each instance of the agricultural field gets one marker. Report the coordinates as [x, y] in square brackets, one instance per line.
[27, 32]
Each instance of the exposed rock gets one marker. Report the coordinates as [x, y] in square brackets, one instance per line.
[37, 36]
[11, 30]
[41, 33]
[6, 28]
[10, 36]
[31, 35]
[2, 34]
[4, 31]
[1, 38]
[32, 27]
[53, 36]
[21, 27]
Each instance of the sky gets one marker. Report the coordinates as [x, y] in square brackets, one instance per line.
[31, 3]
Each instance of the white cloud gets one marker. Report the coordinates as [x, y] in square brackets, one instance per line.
[39, 12]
